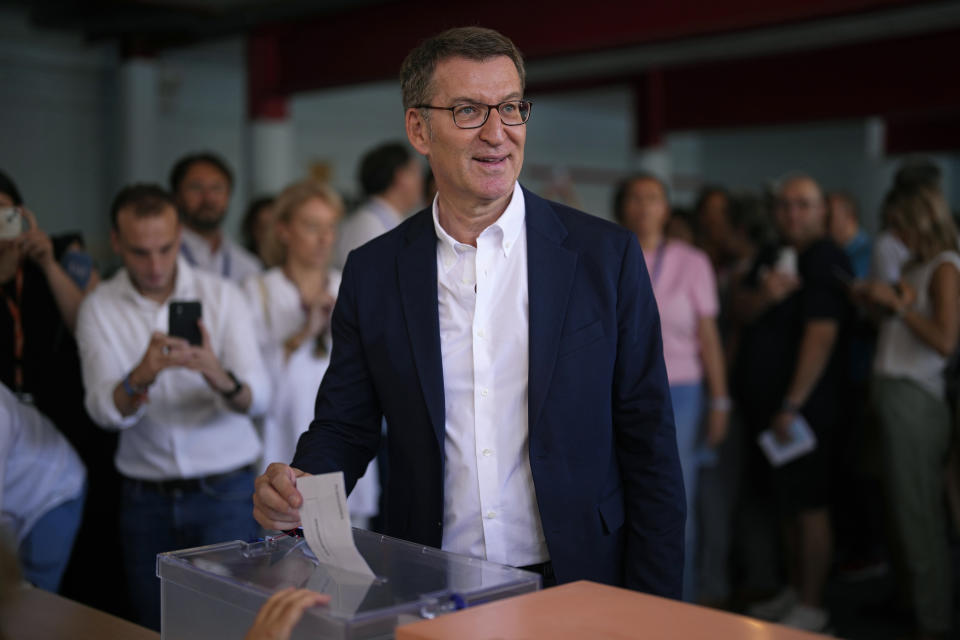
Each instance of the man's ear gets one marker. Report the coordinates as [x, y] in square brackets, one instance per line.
[115, 241]
[418, 131]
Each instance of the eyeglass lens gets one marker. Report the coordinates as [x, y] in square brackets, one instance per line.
[473, 115]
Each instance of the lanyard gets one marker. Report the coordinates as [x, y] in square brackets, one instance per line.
[188, 254]
[14, 306]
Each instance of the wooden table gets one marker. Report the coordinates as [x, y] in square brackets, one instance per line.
[588, 610]
[41, 615]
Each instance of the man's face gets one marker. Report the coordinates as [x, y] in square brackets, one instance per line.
[148, 246]
[203, 196]
[473, 167]
[801, 211]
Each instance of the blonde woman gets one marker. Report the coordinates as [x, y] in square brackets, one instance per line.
[291, 303]
[916, 338]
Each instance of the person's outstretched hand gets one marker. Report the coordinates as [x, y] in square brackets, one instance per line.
[281, 613]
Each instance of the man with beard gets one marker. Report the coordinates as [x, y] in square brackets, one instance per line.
[201, 184]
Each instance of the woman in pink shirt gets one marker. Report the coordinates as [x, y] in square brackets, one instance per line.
[686, 291]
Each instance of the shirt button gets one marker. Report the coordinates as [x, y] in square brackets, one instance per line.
[487, 453]
[506, 244]
[491, 515]
[480, 333]
[483, 393]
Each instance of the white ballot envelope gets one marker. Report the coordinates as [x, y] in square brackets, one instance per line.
[802, 442]
[326, 523]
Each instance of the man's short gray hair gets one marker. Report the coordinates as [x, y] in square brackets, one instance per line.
[472, 43]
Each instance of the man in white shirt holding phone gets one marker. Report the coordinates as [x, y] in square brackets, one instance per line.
[187, 442]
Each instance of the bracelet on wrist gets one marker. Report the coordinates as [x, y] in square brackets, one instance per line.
[132, 389]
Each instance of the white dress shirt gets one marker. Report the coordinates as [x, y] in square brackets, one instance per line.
[278, 313]
[374, 218]
[489, 506]
[230, 260]
[186, 429]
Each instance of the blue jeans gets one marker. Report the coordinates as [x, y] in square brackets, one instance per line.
[154, 521]
[45, 552]
[688, 413]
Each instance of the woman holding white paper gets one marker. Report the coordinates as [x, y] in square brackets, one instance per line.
[917, 336]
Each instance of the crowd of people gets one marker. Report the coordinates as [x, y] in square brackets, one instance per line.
[818, 324]
[778, 315]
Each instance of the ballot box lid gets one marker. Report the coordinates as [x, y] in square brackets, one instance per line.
[410, 582]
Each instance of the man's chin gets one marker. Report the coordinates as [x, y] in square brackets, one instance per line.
[203, 223]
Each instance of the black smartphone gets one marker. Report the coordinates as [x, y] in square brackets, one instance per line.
[183, 321]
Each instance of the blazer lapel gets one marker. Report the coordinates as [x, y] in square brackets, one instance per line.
[417, 273]
[550, 271]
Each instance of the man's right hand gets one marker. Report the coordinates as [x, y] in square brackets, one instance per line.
[162, 353]
[276, 501]
[777, 285]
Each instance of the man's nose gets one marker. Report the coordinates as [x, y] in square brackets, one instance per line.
[156, 265]
[492, 130]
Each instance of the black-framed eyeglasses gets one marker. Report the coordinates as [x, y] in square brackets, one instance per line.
[472, 115]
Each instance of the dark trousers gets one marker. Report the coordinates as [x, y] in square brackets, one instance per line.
[167, 516]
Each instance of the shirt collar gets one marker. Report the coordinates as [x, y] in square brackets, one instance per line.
[381, 203]
[509, 224]
[183, 287]
[196, 243]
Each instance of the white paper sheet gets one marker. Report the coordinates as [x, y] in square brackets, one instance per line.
[802, 442]
[347, 589]
[326, 522]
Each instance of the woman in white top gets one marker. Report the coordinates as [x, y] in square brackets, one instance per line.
[917, 336]
[291, 303]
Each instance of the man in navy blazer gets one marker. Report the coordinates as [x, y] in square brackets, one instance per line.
[595, 490]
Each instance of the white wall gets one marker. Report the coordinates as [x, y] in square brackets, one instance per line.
[202, 107]
[337, 127]
[61, 129]
[55, 124]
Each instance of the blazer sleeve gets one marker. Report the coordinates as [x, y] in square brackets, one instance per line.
[346, 430]
[646, 438]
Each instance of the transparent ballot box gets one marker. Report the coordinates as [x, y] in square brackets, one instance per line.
[216, 591]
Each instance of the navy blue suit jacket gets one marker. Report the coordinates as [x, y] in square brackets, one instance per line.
[602, 443]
